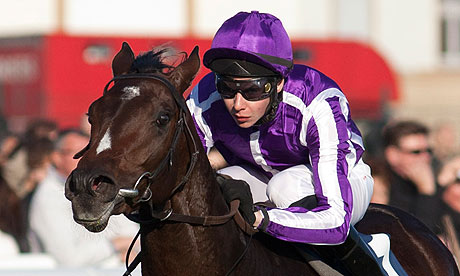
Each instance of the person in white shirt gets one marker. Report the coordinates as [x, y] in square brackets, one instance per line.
[51, 219]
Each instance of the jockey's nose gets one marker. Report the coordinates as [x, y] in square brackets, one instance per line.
[239, 102]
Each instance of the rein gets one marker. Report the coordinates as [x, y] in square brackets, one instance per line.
[168, 215]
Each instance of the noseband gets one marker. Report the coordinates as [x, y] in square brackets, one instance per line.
[134, 192]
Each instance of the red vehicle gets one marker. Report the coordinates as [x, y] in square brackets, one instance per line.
[58, 76]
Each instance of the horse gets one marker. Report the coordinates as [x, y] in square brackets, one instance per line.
[145, 160]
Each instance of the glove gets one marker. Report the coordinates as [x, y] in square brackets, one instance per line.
[238, 189]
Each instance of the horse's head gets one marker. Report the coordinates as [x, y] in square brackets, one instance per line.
[133, 129]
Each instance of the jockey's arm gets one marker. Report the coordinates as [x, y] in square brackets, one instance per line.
[216, 159]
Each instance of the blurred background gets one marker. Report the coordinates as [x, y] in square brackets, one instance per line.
[389, 56]
[393, 59]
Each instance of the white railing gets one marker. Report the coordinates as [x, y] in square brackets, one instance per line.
[34, 264]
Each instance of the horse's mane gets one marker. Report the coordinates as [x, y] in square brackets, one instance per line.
[155, 61]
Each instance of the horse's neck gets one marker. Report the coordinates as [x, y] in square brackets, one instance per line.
[201, 194]
[184, 243]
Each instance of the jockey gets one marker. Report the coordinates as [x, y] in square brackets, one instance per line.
[286, 130]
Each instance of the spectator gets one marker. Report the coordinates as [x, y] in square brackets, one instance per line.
[381, 193]
[8, 141]
[445, 143]
[13, 217]
[8, 144]
[411, 174]
[449, 179]
[20, 173]
[451, 197]
[85, 126]
[450, 172]
[24, 163]
[38, 162]
[52, 223]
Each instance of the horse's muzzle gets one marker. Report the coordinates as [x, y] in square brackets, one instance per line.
[80, 181]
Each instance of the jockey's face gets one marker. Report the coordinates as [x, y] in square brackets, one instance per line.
[247, 112]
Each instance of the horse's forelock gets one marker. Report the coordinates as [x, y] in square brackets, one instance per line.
[155, 61]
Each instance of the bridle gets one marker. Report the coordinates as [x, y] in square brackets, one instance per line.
[168, 214]
[150, 176]
[134, 192]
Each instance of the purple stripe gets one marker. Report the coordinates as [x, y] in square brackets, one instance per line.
[324, 236]
[313, 144]
[343, 150]
[335, 235]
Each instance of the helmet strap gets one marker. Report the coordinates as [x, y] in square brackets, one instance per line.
[270, 113]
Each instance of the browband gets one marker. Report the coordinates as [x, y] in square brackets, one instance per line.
[179, 98]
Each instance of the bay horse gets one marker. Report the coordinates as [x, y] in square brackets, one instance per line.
[145, 160]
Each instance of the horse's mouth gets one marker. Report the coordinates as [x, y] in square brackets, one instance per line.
[96, 224]
[93, 225]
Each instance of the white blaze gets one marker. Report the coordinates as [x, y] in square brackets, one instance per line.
[130, 92]
[105, 143]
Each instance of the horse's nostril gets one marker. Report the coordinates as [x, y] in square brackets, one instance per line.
[98, 181]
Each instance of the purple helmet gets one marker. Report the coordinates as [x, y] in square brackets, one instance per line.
[259, 40]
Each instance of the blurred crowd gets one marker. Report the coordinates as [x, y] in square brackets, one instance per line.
[415, 168]
[35, 216]
[418, 170]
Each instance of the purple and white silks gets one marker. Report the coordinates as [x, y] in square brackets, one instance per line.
[312, 126]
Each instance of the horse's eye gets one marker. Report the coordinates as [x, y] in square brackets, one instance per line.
[162, 120]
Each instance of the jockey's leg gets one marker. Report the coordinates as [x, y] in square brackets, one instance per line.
[291, 185]
[354, 253]
[356, 256]
[362, 186]
[296, 183]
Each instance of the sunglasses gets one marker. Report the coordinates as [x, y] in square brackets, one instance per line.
[253, 89]
[417, 151]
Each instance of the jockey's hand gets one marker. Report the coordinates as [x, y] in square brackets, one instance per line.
[238, 189]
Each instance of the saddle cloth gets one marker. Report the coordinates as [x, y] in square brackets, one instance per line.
[380, 245]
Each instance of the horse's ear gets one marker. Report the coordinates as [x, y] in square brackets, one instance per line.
[122, 61]
[184, 74]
